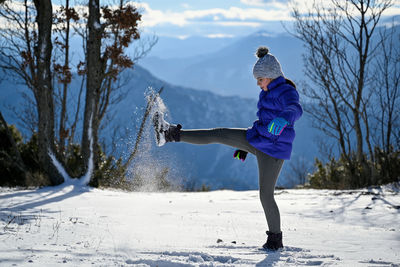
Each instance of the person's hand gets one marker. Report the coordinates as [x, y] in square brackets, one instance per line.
[277, 125]
[240, 154]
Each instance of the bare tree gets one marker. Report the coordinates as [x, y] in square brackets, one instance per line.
[43, 88]
[18, 41]
[26, 53]
[62, 29]
[387, 89]
[119, 29]
[93, 83]
[338, 36]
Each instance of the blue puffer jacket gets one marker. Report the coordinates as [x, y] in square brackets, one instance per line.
[281, 100]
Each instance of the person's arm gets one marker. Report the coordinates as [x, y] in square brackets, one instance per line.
[292, 109]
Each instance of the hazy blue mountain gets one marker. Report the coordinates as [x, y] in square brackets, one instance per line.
[228, 71]
[212, 165]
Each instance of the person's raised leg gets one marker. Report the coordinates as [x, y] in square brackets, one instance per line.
[166, 132]
[234, 137]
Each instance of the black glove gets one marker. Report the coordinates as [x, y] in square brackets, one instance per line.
[240, 154]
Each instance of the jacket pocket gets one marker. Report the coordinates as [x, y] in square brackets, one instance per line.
[274, 138]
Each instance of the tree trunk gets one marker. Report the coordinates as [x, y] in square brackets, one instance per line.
[359, 135]
[63, 116]
[93, 84]
[43, 89]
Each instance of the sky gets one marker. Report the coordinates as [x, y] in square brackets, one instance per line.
[213, 18]
[216, 18]
[219, 18]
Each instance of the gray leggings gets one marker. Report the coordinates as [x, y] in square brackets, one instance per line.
[268, 167]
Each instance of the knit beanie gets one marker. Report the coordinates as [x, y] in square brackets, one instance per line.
[267, 66]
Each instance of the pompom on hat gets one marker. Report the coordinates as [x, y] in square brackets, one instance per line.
[267, 66]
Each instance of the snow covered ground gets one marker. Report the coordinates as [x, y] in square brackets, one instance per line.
[81, 226]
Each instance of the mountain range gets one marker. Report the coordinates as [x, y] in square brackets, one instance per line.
[228, 70]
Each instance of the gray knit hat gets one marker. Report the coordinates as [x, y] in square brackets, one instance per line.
[267, 66]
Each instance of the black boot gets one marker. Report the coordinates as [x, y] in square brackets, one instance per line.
[173, 134]
[165, 132]
[274, 241]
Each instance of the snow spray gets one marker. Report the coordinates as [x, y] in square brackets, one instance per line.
[150, 171]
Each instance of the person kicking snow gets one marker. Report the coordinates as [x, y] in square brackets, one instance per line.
[270, 138]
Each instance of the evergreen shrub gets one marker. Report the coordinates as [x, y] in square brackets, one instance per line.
[344, 174]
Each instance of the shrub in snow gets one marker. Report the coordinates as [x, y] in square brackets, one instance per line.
[338, 174]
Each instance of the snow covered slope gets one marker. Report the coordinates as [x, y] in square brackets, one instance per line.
[90, 227]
